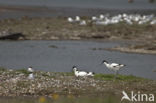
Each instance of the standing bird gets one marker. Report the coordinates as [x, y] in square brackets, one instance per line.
[77, 18]
[70, 20]
[83, 22]
[31, 75]
[30, 70]
[113, 66]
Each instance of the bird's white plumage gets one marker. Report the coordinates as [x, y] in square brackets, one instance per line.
[107, 19]
[90, 74]
[31, 76]
[79, 73]
[30, 69]
[83, 22]
[101, 16]
[82, 73]
[70, 20]
[94, 18]
[77, 18]
[113, 66]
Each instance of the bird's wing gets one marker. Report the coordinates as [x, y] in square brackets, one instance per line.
[114, 65]
[82, 74]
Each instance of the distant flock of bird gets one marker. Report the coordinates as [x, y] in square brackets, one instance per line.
[106, 19]
[78, 73]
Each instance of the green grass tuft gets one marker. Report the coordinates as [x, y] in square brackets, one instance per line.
[24, 71]
[2, 69]
[119, 77]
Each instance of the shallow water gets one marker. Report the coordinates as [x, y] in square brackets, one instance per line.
[111, 4]
[65, 8]
[60, 56]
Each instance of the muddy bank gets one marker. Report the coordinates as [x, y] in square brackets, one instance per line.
[16, 83]
[133, 47]
[59, 29]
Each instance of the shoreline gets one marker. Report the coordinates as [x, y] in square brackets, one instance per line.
[16, 83]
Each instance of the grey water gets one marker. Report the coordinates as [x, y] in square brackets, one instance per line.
[64, 8]
[61, 56]
[111, 4]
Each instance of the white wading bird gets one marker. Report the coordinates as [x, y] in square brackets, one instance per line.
[83, 22]
[90, 74]
[70, 20]
[77, 18]
[113, 66]
[81, 73]
[31, 75]
[30, 70]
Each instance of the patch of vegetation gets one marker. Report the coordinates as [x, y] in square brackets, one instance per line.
[119, 77]
[65, 73]
[24, 71]
[2, 69]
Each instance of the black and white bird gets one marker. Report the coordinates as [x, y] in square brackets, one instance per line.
[31, 75]
[113, 66]
[81, 73]
[30, 70]
[90, 74]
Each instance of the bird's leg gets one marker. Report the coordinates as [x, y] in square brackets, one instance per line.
[116, 74]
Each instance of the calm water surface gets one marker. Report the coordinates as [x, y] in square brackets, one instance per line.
[111, 4]
[65, 8]
[60, 56]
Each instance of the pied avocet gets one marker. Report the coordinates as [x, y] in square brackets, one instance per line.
[30, 70]
[90, 74]
[113, 66]
[81, 73]
[31, 76]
